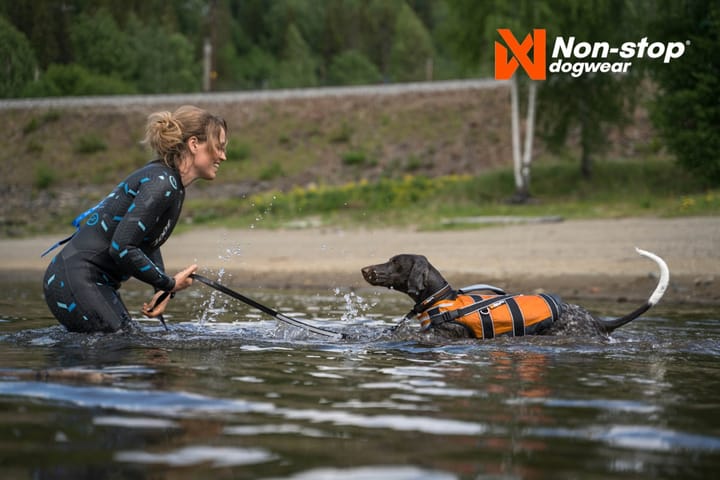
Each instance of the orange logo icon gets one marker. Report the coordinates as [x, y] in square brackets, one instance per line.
[505, 66]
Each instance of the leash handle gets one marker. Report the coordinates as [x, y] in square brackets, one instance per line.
[273, 313]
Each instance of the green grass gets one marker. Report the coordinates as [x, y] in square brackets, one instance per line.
[655, 187]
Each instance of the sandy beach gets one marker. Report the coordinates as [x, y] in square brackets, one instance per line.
[576, 259]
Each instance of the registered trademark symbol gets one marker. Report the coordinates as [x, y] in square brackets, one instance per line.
[688, 42]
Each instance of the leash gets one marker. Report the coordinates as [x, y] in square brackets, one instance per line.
[268, 310]
[161, 299]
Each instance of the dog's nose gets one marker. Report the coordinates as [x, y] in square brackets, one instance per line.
[368, 273]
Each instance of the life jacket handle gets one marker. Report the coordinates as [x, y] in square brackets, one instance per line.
[482, 286]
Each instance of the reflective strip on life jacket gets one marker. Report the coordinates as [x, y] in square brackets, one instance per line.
[487, 316]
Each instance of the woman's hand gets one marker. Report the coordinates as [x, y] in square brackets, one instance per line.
[183, 280]
[156, 307]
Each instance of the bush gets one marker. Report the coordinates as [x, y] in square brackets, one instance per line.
[73, 80]
[272, 171]
[354, 157]
[44, 177]
[352, 68]
[239, 151]
[90, 143]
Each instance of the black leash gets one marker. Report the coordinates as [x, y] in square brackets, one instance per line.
[268, 310]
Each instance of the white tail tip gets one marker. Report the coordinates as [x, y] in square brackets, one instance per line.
[664, 276]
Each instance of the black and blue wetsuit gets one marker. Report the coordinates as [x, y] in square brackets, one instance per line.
[119, 240]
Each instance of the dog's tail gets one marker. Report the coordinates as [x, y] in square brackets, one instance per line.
[657, 294]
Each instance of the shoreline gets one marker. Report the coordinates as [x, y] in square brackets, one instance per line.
[577, 259]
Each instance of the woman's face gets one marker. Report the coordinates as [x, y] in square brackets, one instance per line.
[208, 158]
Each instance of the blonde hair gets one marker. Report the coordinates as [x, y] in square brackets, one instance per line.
[167, 133]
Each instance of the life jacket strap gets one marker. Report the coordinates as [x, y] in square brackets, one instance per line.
[450, 315]
[57, 244]
[75, 223]
[420, 307]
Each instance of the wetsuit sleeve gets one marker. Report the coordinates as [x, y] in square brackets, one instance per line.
[157, 258]
[149, 206]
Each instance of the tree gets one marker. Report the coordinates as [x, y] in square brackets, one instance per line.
[298, 65]
[477, 24]
[591, 103]
[378, 19]
[352, 68]
[164, 60]
[17, 60]
[100, 46]
[412, 47]
[687, 110]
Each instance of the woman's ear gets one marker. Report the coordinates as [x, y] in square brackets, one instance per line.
[193, 144]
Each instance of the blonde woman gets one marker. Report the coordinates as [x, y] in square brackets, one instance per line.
[121, 237]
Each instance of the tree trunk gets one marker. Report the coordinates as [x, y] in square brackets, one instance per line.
[585, 148]
[515, 123]
[529, 136]
[522, 157]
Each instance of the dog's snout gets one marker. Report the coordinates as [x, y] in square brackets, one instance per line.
[368, 273]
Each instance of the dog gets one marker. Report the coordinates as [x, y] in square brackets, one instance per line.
[468, 313]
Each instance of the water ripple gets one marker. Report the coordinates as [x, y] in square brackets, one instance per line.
[636, 437]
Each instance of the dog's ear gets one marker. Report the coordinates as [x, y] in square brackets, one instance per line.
[418, 275]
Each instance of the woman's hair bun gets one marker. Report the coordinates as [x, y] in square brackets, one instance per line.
[163, 133]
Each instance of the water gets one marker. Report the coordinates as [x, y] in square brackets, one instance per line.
[231, 393]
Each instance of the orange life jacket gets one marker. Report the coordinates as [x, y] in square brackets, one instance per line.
[487, 316]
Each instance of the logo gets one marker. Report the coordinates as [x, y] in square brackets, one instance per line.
[575, 58]
[535, 68]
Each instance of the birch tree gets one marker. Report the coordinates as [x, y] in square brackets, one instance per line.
[476, 32]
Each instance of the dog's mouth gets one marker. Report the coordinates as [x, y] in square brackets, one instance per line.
[369, 275]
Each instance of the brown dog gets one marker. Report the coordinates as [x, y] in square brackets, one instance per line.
[467, 313]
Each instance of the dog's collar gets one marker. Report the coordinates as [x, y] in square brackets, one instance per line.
[420, 307]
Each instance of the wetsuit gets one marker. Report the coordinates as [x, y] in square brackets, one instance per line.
[119, 240]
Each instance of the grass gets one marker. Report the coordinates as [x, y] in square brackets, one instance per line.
[655, 187]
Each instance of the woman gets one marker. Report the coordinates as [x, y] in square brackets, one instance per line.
[121, 237]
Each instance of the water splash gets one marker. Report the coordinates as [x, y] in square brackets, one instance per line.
[354, 305]
[210, 311]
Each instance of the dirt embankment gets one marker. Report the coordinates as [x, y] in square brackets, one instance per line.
[59, 160]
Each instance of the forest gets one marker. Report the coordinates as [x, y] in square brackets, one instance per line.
[101, 47]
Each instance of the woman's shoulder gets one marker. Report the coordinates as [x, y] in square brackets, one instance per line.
[156, 171]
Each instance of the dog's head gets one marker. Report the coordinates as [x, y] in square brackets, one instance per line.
[407, 273]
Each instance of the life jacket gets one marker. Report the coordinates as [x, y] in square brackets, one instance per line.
[487, 316]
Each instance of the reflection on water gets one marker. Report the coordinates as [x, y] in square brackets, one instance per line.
[229, 392]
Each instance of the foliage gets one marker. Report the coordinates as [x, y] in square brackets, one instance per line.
[354, 157]
[589, 104]
[90, 143]
[36, 122]
[412, 48]
[44, 177]
[298, 65]
[352, 68]
[100, 46]
[651, 186]
[73, 79]
[17, 60]
[158, 46]
[687, 110]
[169, 66]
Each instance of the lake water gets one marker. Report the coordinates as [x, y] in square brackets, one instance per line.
[229, 392]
